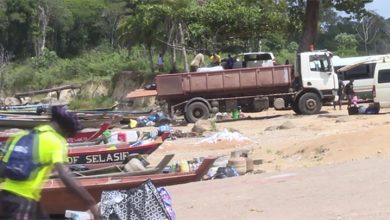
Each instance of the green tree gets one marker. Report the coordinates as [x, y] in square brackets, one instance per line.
[21, 21]
[346, 45]
[61, 21]
[312, 11]
[220, 24]
[144, 26]
[367, 29]
[87, 27]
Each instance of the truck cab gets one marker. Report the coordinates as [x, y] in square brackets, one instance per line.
[316, 80]
[316, 71]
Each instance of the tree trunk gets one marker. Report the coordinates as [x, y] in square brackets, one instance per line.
[151, 59]
[187, 68]
[4, 61]
[40, 40]
[113, 29]
[311, 25]
[170, 36]
[366, 47]
[174, 67]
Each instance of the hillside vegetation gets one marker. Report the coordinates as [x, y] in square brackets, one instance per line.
[46, 43]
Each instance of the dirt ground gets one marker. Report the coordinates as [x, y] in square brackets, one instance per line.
[327, 138]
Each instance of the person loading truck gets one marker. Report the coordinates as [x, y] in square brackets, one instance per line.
[197, 62]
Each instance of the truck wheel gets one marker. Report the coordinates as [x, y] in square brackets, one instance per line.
[196, 111]
[309, 104]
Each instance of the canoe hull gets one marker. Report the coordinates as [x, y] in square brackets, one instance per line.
[56, 198]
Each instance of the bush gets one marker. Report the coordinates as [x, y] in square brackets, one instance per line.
[82, 102]
[49, 70]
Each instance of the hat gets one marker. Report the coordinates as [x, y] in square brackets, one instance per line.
[68, 121]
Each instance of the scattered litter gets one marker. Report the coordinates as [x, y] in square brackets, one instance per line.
[224, 135]
[285, 125]
[77, 215]
[202, 126]
[180, 134]
[155, 119]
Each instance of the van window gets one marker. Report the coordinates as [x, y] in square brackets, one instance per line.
[384, 76]
[365, 71]
[319, 63]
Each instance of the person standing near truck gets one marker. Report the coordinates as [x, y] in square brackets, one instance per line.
[340, 94]
[349, 92]
[160, 63]
[197, 62]
[42, 149]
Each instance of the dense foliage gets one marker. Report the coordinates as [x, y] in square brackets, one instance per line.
[52, 42]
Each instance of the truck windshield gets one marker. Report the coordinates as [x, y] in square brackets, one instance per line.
[319, 63]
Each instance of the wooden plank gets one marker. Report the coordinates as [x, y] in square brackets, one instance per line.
[43, 91]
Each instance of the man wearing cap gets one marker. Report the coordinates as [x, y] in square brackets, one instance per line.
[20, 199]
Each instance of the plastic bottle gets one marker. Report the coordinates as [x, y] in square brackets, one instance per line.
[122, 137]
[177, 167]
[184, 167]
[173, 168]
[106, 135]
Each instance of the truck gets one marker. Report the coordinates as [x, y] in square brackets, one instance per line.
[303, 88]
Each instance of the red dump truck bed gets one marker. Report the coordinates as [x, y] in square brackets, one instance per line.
[234, 82]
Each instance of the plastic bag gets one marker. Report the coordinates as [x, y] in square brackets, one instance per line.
[224, 172]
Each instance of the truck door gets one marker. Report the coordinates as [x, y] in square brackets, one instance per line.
[382, 84]
[317, 72]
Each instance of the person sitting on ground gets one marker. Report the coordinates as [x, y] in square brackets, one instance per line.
[215, 59]
[21, 191]
[197, 62]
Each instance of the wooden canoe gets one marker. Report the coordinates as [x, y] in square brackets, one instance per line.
[31, 123]
[118, 170]
[28, 122]
[111, 154]
[82, 136]
[56, 198]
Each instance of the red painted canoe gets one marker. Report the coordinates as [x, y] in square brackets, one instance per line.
[81, 136]
[56, 198]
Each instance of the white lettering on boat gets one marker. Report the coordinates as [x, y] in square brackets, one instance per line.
[98, 158]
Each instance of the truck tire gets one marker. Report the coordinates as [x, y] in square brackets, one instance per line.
[309, 103]
[196, 111]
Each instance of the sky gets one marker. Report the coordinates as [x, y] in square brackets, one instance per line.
[382, 7]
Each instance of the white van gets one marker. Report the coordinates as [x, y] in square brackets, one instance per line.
[381, 87]
[361, 74]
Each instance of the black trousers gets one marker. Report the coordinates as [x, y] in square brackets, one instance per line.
[15, 207]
